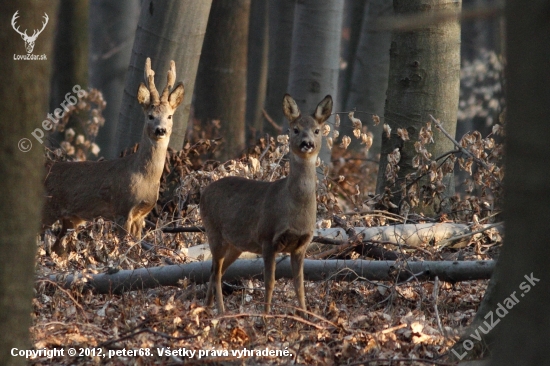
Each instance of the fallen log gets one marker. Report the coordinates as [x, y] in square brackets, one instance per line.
[314, 270]
[412, 235]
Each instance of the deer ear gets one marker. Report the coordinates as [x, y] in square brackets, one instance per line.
[176, 96]
[323, 110]
[143, 95]
[290, 109]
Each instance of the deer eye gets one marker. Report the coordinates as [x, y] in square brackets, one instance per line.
[296, 131]
[317, 131]
[151, 116]
[170, 117]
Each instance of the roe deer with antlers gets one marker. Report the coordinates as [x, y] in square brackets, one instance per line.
[124, 190]
[242, 215]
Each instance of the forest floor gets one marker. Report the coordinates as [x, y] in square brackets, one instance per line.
[352, 323]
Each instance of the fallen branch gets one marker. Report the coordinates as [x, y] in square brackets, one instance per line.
[180, 229]
[314, 270]
[405, 235]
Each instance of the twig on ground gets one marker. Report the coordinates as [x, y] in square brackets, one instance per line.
[280, 316]
[436, 297]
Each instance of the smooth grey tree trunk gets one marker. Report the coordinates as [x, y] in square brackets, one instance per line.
[281, 23]
[24, 103]
[166, 31]
[256, 78]
[221, 81]
[315, 58]
[424, 79]
[370, 74]
[112, 27]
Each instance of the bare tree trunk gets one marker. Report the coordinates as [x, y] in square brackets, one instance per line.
[221, 82]
[351, 31]
[520, 282]
[281, 23]
[424, 79]
[257, 69]
[166, 31]
[480, 33]
[70, 57]
[370, 73]
[315, 61]
[24, 103]
[112, 27]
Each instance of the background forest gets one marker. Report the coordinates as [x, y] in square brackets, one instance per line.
[434, 101]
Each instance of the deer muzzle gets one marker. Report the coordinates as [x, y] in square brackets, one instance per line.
[160, 132]
[307, 146]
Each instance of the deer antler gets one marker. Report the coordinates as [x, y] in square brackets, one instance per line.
[171, 79]
[35, 34]
[150, 82]
[13, 19]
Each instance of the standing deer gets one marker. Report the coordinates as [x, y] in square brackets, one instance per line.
[124, 190]
[242, 215]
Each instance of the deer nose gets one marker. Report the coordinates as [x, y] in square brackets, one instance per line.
[307, 146]
[160, 131]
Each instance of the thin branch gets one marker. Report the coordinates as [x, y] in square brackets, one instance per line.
[181, 229]
[447, 242]
[436, 297]
[66, 293]
[463, 150]
[271, 121]
[291, 317]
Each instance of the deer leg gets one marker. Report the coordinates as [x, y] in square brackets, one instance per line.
[136, 227]
[269, 273]
[216, 277]
[230, 256]
[66, 224]
[297, 264]
[218, 250]
[122, 226]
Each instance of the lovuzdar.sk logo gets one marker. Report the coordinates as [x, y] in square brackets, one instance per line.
[29, 40]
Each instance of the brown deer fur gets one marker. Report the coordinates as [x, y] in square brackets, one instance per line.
[124, 190]
[242, 215]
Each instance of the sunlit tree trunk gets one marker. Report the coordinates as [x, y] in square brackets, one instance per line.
[167, 30]
[424, 79]
[24, 103]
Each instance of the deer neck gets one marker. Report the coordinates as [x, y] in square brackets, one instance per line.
[151, 156]
[302, 178]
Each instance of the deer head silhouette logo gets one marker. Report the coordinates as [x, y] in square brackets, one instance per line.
[29, 40]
